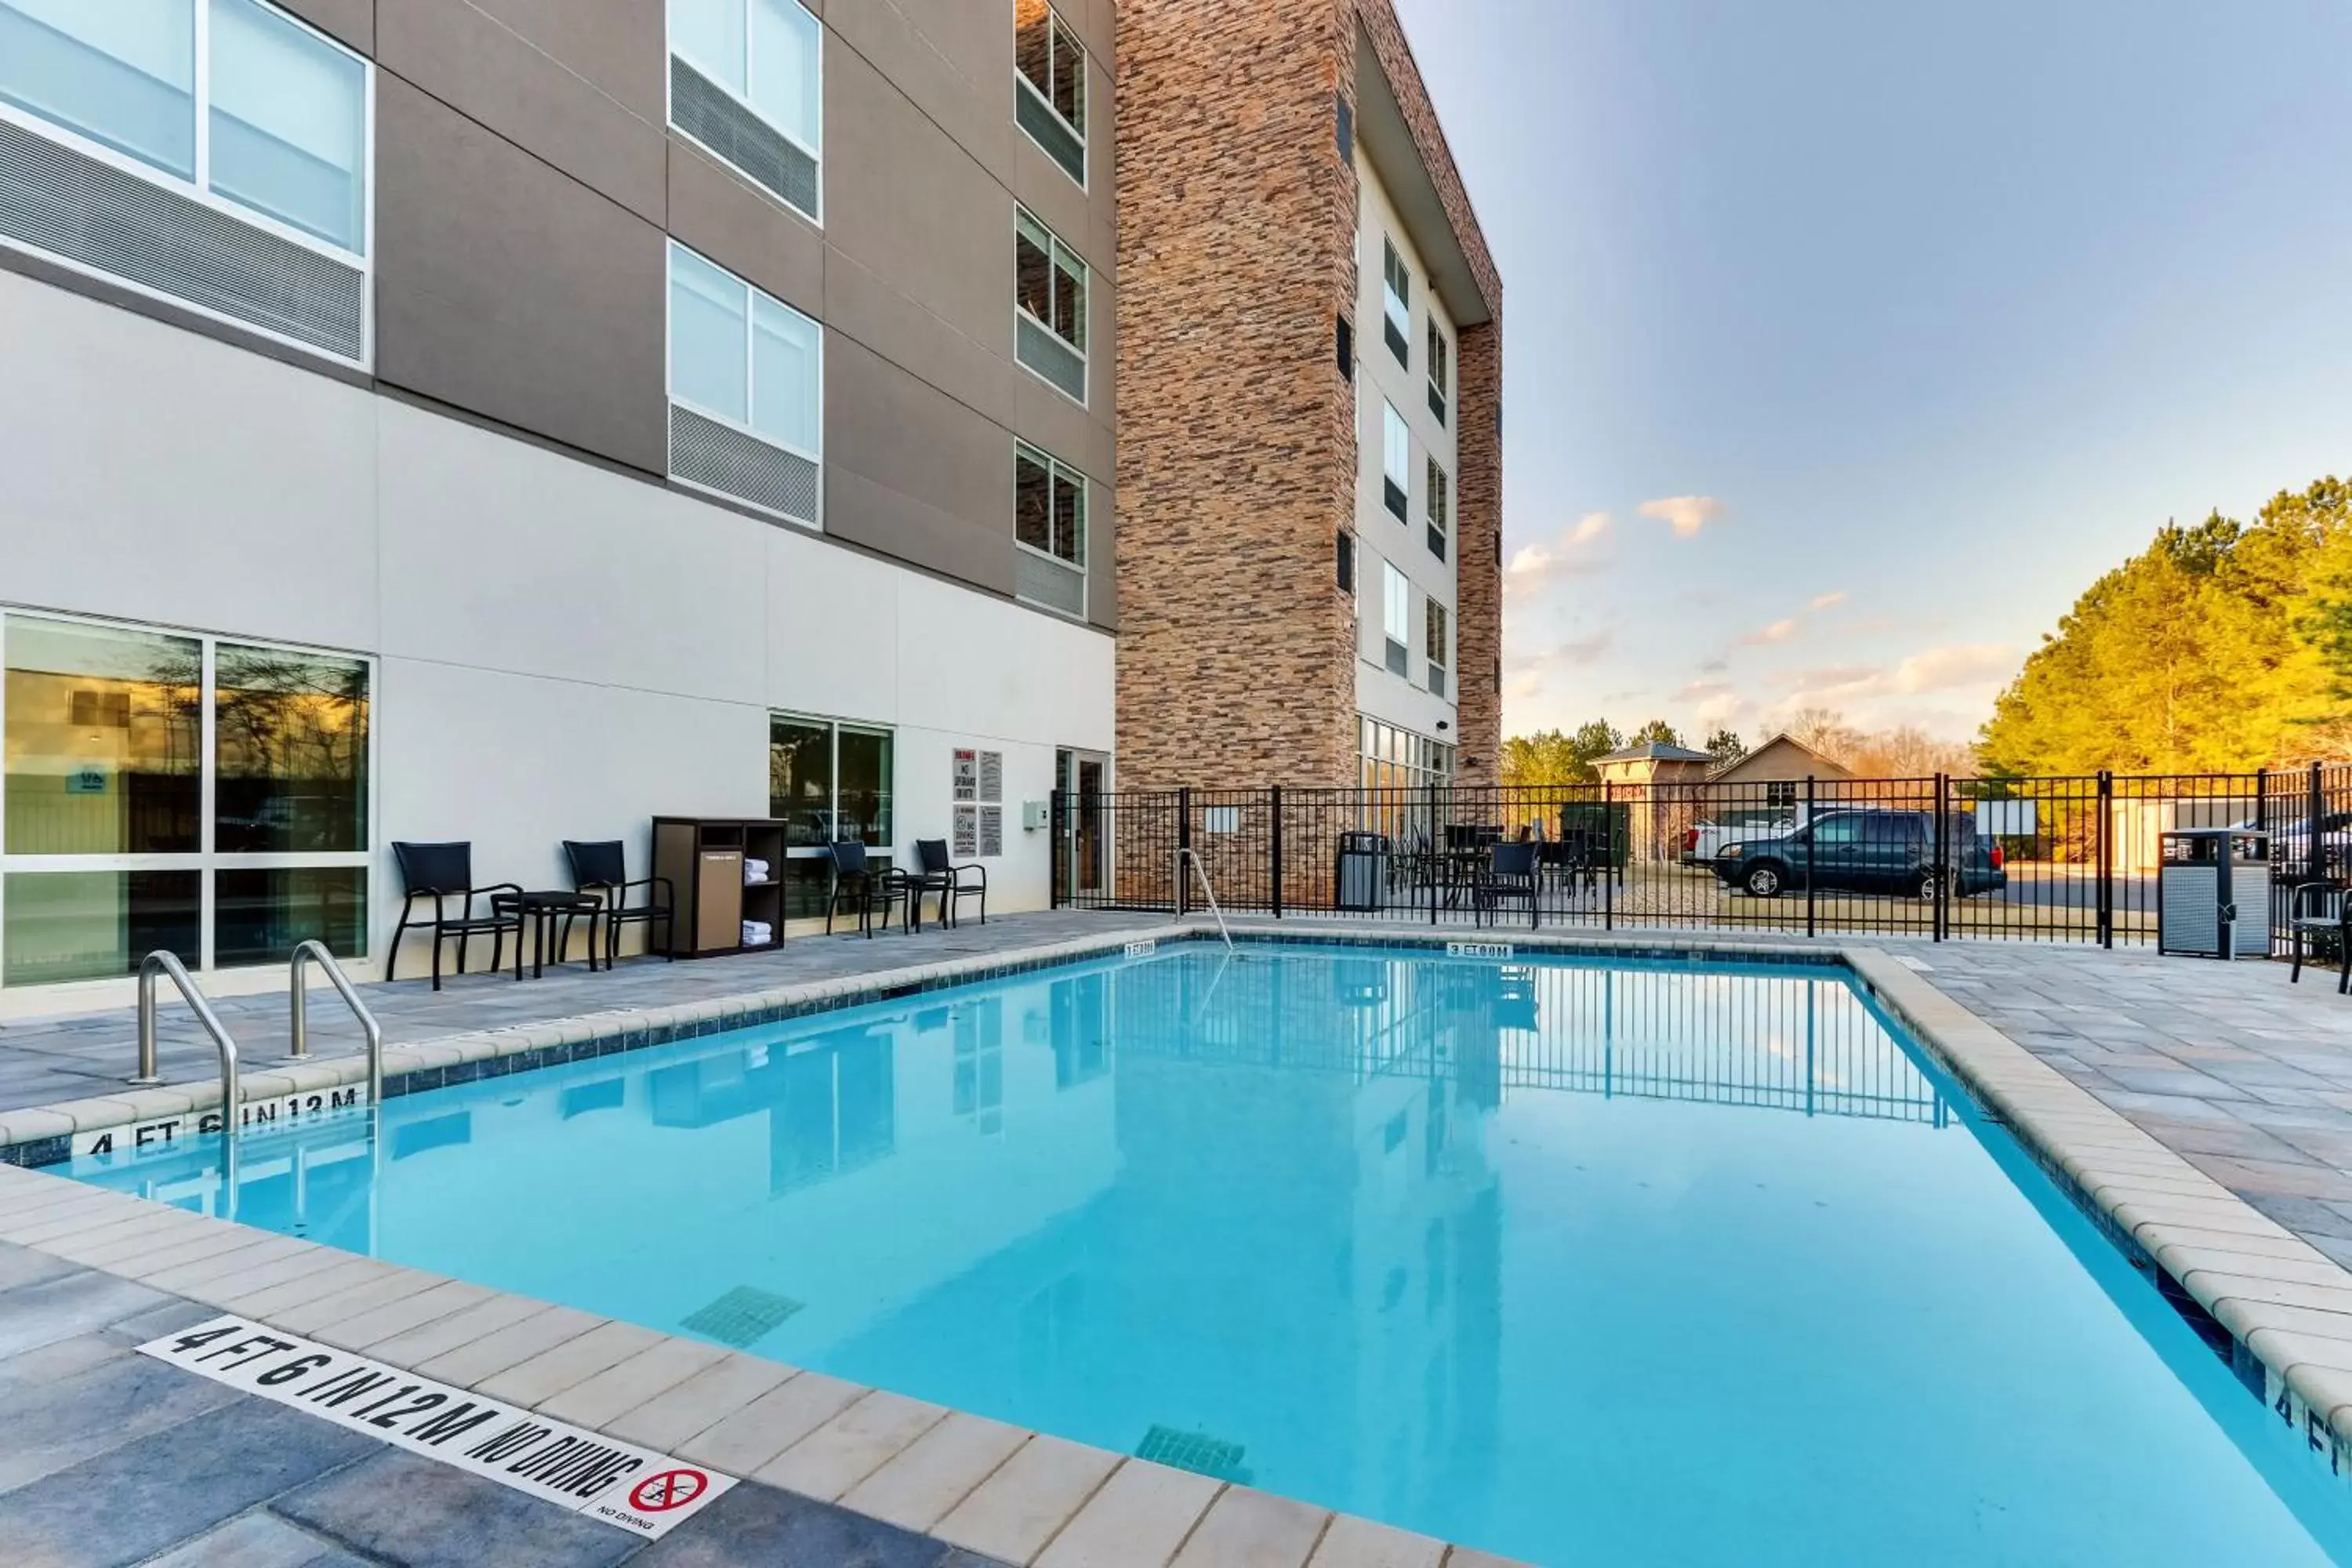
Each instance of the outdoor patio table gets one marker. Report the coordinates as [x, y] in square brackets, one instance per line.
[539, 910]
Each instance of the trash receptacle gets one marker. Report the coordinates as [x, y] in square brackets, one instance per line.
[1362, 877]
[2213, 893]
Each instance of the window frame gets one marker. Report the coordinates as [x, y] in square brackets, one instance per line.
[1436, 641]
[1054, 27]
[670, 111]
[751, 382]
[1396, 487]
[197, 188]
[1441, 371]
[834, 728]
[1396, 606]
[1056, 249]
[1055, 468]
[1396, 297]
[205, 861]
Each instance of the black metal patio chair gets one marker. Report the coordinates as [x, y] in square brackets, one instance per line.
[1509, 875]
[2314, 907]
[936, 873]
[865, 883]
[601, 869]
[442, 872]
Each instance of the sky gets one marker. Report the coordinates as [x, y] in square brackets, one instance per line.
[1847, 342]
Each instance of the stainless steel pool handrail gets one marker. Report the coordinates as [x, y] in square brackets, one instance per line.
[1201, 870]
[232, 1095]
[298, 1019]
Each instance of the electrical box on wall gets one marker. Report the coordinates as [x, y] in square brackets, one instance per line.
[1034, 816]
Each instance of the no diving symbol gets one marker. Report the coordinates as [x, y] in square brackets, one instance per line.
[669, 1490]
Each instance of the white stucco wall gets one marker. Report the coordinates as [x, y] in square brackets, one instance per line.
[563, 651]
[1403, 701]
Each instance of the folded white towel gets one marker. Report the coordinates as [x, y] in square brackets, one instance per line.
[757, 933]
[755, 870]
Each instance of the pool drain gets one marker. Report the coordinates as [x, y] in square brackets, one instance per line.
[1194, 1451]
[741, 1316]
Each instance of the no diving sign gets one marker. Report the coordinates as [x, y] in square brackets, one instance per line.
[630, 1488]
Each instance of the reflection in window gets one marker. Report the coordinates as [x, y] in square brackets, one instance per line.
[800, 779]
[1050, 281]
[289, 123]
[291, 740]
[866, 785]
[94, 925]
[260, 916]
[104, 740]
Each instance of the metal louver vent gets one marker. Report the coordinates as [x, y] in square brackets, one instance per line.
[1047, 130]
[91, 214]
[1052, 358]
[1051, 583]
[719, 457]
[708, 113]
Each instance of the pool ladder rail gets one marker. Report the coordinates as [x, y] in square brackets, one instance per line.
[1201, 870]
[298, 1017]
[162, 963]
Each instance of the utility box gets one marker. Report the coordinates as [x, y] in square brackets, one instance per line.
[1362, 878]
[2213, 893]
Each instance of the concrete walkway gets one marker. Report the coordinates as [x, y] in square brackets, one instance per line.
[44, 1061]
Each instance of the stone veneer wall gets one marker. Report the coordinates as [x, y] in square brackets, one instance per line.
[1237, 432]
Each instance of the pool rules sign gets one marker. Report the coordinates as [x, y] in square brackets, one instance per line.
[633, 1488]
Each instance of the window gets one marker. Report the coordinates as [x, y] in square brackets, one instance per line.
[1440, 505]
[1441, 370]
[827, 780]
[747, 83]
[234, 109]
[1396, 618]
[1049, 95]
[1396, 460]
[1347, 118]
[1346, 556]
[1049, 306]
[744, 364]
[1049, 523]
[1396, 303]
[1346, 339]
[1399, 759]
[125, 831]
[1437, 644]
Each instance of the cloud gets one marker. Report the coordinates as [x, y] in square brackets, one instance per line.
[1827, 602]
[1686, 515]
[1535, 567]
[1955, 667]
[1778, 631]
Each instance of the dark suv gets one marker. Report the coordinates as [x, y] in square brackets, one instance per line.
[1864, 851]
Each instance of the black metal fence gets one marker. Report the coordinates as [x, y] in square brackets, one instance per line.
[2046, 860]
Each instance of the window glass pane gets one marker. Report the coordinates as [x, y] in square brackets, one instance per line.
[104, 740]
[865, 787]
[1069, 516]
[1069, 317]
[1033, 506]
[1396, 604]
[92, 925]
[1069, 93]
[1032, 45]
[1396, 446]
[289, 123]
[710, 34]
[786, 46]
[800, 779]
[290, 744]
[1032, 270]
[807, 881]
[121, 72]
[259, 917]
[784, 375]
[1441, 366]
[707, 327]
[1436, 646]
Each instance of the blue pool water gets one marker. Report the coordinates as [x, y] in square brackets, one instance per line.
[1580, 1264]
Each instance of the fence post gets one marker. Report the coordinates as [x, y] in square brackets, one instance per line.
[1276, 807]
[1810, 927]
[2318, 808]
[1439, 858]
[1054, 874]
[1942, 915]
[2106, 860]
[1184, 841]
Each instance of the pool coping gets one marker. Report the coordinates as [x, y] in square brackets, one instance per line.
[2285, 1306]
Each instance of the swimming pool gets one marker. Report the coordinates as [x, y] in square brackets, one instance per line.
[1576, 1262]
